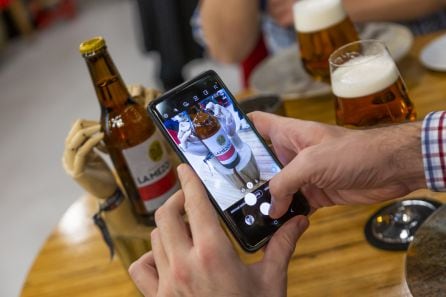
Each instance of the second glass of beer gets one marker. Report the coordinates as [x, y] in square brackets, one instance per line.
[368, 87]
[321, 26]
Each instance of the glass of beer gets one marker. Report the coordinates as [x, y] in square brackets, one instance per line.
[368, 87]
[321, 26]
[370, 92]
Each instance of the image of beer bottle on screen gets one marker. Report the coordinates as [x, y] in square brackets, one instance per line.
[210, 137]
[232, 158]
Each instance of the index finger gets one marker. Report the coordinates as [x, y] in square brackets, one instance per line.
[201, 214]
[144, 274]
[288, 181]
[173, 229]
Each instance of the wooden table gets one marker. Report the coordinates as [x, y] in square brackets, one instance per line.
[331, 259]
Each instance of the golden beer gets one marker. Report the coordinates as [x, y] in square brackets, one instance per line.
[389, 106]
[368, 87]
[321, 26]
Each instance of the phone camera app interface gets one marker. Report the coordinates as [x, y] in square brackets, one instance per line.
[225, 152]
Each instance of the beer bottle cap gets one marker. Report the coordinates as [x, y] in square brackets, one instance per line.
[92, 45]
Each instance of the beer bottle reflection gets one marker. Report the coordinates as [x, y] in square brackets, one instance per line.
[211, 133]
[136, 149]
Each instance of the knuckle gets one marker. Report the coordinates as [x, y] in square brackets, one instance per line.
[305, 156]
[185, 180]
[288, 242]
[206, 255]
[173, 199]
[253, 115]
[154, 235]
[134, 269]
[274, 186]
[310, 164]
[192, 205]
[160, 213]
[188, 207]
[168, 206]
[79, 123]
[179, 272]
[195, 205]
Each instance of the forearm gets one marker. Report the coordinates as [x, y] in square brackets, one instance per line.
[231, 28]
[391, 10]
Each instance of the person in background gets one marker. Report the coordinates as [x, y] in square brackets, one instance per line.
[245, 32]
[329, 164]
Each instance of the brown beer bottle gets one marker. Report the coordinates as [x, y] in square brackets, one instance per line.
[211, 133]
[133, 142]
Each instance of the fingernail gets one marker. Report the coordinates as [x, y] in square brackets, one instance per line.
[303, 223]
[180, 169]
[272, 208]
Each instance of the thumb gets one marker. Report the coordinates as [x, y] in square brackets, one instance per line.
[281, 246]
[308, 167]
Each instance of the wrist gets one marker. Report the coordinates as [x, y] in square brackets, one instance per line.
[407, 158]
[400, 157]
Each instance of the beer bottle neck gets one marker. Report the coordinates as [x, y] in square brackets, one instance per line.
[109, 86]
[205, 124]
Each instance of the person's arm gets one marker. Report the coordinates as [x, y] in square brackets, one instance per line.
[196, 259]
[231, 28]
[391, 10]
[334, 165]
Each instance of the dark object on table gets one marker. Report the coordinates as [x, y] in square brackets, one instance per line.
[393, 226]
[266, 103]
[426, 258]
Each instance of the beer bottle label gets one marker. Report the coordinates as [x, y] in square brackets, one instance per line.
[222, 148]
[152, 171]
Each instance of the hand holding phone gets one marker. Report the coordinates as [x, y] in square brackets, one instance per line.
[202, 262]
[204, 124]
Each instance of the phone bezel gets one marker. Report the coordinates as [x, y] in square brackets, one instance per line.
[159, 123]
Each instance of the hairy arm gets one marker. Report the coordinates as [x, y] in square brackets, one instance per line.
[391, 10]
[231, 28]
[334, 165]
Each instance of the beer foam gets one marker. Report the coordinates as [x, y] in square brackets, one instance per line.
[364, 76]
[315, 15]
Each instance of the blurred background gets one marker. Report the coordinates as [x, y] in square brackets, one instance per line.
[45, 87]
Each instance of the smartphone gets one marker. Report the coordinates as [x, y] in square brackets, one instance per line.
[206, 127]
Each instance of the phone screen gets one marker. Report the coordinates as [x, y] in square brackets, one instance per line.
[234, 163]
